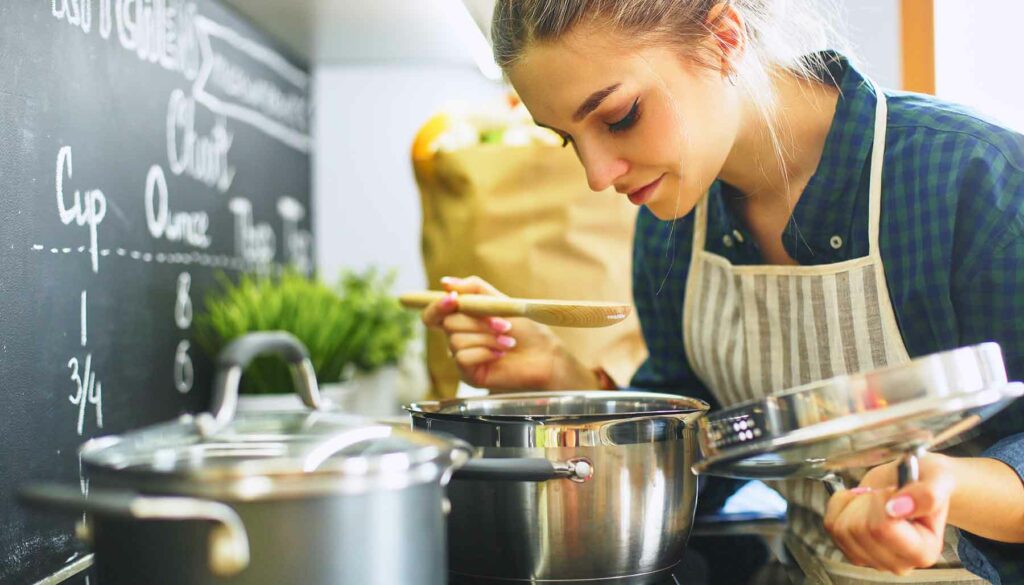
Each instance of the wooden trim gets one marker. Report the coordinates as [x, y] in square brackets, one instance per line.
[918, 36]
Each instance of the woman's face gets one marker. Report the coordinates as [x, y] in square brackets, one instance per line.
[650, 123]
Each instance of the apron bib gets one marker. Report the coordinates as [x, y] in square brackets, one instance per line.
[750, 331]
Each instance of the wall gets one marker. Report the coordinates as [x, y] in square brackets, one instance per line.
[873, 28]
[367, 209]
[973, 43]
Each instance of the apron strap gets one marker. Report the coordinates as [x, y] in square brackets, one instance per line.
[877, 156]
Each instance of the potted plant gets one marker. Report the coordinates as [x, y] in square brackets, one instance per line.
[353, 331]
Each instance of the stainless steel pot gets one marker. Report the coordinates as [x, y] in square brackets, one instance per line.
[571, 487]
[264, 498]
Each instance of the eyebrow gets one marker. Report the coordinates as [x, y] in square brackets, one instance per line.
[592, 102]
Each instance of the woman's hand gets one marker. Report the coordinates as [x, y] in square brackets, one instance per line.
[503, 354]
[897, 530]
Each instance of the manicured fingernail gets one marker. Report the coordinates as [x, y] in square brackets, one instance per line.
[860, 490]
[501, 325]
[449, 300]
[506, 341]
[449, 280]
[497, 353]
[899, 507]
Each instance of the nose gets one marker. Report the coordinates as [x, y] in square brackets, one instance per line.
[603, 166]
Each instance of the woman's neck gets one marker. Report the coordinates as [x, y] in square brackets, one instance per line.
[771, 173]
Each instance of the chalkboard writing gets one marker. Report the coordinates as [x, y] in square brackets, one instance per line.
[145, 145]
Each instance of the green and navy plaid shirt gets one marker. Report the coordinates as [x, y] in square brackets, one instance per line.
[952, 242]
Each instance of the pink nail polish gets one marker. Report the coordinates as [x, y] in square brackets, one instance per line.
[860, 490]
[497, 353]
[899, 507]
[506, 341]
[500, 325]
[449, 300]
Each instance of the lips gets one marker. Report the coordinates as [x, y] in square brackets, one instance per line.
[644, 194]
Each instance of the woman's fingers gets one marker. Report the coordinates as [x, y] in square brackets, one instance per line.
[888, 543]
[476, 356]
[841, 518]
[461, 323]
[470, 285]
[436, 312]
[869, 535]
[460, 341]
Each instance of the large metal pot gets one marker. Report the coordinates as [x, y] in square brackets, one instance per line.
[264, 498]
[571, 487]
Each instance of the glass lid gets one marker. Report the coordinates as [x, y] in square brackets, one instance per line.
[267, 444]
[258, 454]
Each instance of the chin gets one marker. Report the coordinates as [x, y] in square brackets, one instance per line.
[668, 208]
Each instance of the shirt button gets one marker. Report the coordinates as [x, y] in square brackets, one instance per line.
[738, 235]
[836, 242]
[727, 240]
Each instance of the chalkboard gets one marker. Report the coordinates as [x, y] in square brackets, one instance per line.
[145, 145]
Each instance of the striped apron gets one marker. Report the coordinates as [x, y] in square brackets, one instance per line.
[750, 331]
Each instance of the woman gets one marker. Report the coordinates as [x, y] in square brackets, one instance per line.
[797, 224]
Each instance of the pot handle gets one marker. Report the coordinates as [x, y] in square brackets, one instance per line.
[907, 471]
[236, 356]
[229, 542]
[525, 469]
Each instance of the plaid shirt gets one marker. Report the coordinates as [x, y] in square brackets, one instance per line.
[952, 243]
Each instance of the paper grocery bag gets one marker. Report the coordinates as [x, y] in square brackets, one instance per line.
[524, 219]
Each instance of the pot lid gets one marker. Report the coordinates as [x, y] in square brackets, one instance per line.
[270, 453]
[858, 420]
[547, 407]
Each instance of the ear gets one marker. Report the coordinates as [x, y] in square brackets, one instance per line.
[728, 35]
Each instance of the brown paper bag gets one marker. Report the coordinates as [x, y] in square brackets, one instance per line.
[523, 218]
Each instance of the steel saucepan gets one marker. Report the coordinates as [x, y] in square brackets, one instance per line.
[264, 498]
[569, 487]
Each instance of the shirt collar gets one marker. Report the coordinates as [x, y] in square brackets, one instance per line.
[825, 210]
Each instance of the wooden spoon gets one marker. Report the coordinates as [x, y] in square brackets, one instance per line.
[557, 313]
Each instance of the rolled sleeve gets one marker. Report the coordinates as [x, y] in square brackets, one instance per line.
[1000, 562]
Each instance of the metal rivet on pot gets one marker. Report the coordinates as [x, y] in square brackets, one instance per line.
[583, 469]
[446, 506]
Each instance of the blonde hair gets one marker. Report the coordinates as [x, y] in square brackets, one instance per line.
[783, 35]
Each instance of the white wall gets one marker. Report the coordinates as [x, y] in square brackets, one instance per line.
[976, 48]
[873, 28]
[366, 205]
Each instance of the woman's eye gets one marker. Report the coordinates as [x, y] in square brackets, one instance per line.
[628, 120]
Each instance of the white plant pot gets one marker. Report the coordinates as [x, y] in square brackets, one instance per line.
[269, 402]
[375, 394]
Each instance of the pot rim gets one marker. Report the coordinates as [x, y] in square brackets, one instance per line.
[675, 406]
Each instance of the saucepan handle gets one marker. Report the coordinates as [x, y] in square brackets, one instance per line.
[525, 469]
[907, 471]
[233, 359]
[229, 542]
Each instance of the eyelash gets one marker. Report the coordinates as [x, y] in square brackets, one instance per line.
[627, 122]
